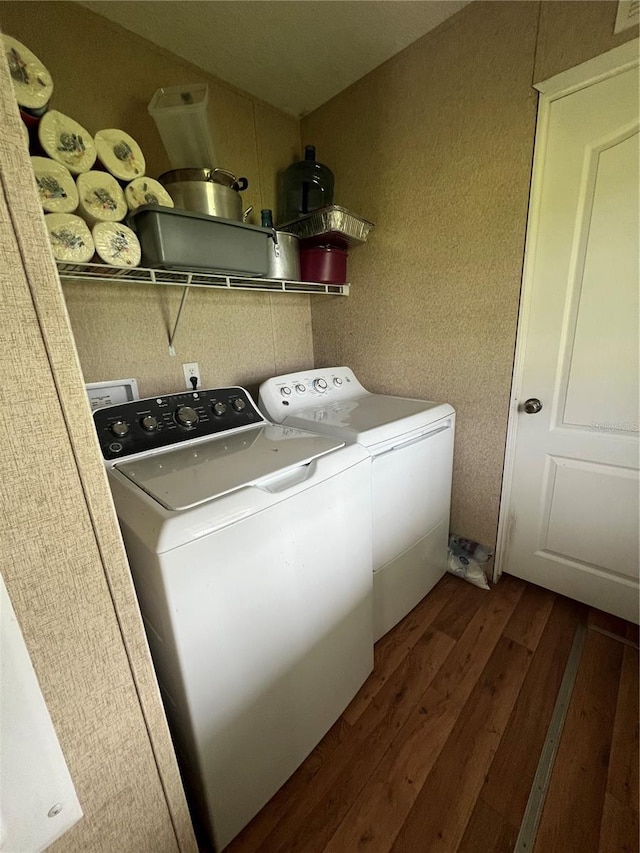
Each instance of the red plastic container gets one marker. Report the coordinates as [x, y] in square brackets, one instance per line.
[326, 264]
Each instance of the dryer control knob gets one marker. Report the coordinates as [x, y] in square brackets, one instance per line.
[186, 416]
[149, 423]
[239, 404]
[320, 384]
[119, 428]
[219, 409]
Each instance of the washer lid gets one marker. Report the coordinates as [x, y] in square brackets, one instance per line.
[370, 419]
[184, 477]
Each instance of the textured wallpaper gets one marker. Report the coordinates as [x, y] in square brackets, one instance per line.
[435, 146]
[61, 554]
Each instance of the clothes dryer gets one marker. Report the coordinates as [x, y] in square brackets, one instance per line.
[411, 444]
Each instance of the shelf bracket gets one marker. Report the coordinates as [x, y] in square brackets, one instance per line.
[172, 336]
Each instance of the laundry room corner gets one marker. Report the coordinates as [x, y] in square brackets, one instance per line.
[235, 337]
[437, 144]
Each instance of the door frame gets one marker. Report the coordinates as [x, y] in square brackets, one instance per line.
[606, 65]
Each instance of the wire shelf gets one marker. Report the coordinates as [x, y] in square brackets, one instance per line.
[193, 278]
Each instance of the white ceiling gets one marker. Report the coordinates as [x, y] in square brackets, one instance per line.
[294, 54]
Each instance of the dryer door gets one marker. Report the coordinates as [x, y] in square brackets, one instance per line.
[411, 489]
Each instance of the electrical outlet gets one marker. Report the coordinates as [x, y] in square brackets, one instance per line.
[191, 369]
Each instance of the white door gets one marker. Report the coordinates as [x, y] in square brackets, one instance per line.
[569, 515]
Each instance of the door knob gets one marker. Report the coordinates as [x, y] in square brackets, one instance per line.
[532, 406]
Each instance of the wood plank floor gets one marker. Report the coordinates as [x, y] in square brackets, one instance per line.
[438, 750]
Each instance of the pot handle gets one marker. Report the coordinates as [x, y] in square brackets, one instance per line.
[240, 184]
[245, 215]
[216, 171]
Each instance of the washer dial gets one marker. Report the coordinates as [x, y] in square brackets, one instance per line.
[320, 384]
[149, 423]
[219, 409]
[186, 416]
[119, 428]
[239, 404]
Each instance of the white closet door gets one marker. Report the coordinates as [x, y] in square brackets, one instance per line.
[570, 513]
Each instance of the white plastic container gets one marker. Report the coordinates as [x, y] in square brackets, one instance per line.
[181, 115]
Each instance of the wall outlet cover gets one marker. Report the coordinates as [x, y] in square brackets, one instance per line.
[192, 370]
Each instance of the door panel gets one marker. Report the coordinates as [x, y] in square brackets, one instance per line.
[612, 495]
[571, 515]
[604, 335]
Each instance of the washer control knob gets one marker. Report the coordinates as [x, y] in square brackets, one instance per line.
[219, 409]
[285, 391]
[120, 428]
[337, 381]
[239, 404]
[149, 423]
[320, 384]
[300, 388]
[186, 416]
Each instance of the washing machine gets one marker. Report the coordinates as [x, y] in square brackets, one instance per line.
[250, 550]
[411, 445]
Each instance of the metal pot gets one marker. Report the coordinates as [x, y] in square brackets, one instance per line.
[283, 253]
[215, 192]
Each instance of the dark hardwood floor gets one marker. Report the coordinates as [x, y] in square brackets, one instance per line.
[438, 750]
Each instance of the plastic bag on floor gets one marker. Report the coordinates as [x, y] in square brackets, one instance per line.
[467, 569]
[468, 548]
[464, 560]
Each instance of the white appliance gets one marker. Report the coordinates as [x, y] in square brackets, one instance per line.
[250, 549]
[411, 443]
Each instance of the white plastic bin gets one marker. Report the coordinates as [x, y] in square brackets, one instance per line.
[181, 115]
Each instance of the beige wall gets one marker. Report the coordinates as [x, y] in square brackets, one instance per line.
[435, 147]
[105, 77]
[61, 555]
